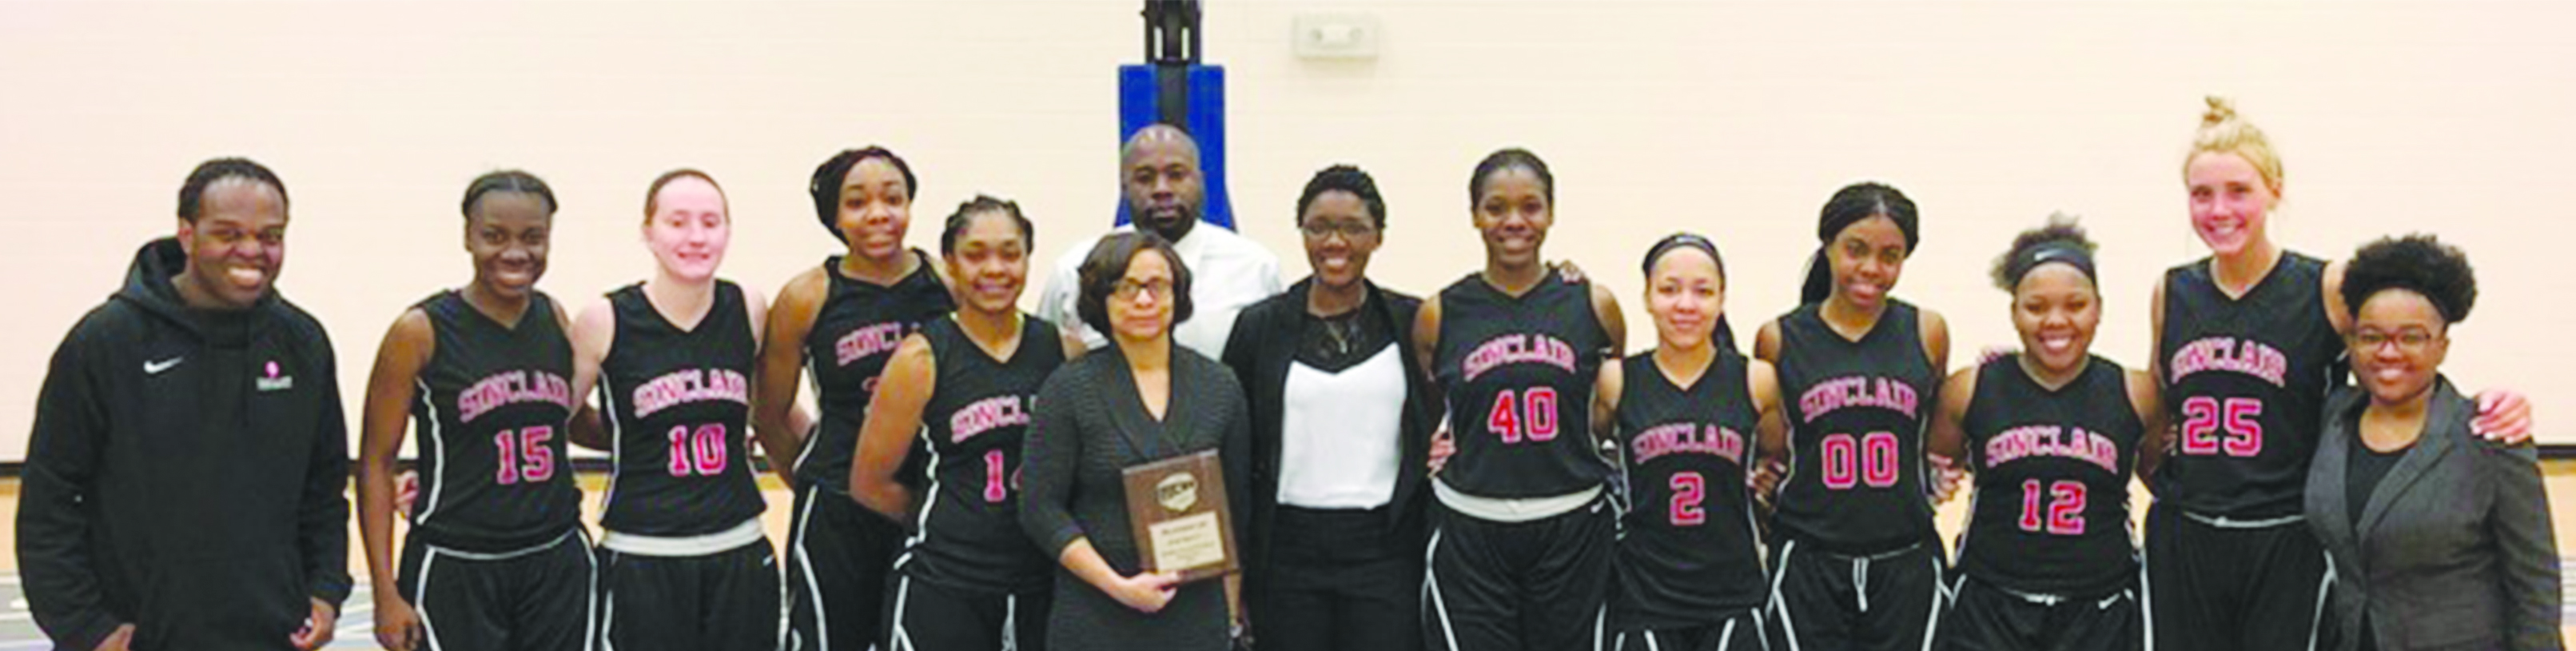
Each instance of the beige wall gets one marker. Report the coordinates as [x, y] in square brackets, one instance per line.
[1732, 119]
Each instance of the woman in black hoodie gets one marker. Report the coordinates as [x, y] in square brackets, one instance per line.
[184, 480]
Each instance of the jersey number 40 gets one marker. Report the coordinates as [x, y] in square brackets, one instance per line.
[1531, 414]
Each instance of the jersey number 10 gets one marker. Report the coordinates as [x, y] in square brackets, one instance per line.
[702, 451]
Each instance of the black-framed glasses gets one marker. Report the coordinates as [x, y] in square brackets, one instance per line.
[1128, 288]
[1351, 230]
[2409, 340]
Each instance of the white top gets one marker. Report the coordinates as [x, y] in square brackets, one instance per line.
[1338, 434]
[1228, 272]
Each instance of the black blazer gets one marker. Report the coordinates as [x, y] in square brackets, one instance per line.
[1263, 345]
[2454, 548]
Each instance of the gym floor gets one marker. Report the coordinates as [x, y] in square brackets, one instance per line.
[18, 630]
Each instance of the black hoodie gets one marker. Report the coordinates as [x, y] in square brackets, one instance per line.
[186, 472]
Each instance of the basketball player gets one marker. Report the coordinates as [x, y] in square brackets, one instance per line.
[1855, 562]
[1520, 556]
[2052, 435]
[969, 579]
[684, 562]
[2247, 344]
[496, 557]
[1689, 556]
[842, 320]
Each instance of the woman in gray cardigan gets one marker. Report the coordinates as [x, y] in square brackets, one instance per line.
[1138, 400]
[2438, 540]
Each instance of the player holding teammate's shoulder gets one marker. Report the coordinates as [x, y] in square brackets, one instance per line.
[2247, 343]
[2052, 434]
[1856, 562]
[684, 563]
[1686, 417]
[486, 373]
[963, 390]
[1521, 548]
[841, 321]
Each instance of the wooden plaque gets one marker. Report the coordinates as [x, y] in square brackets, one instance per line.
[1181, 518]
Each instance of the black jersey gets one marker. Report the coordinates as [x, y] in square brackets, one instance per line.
[2051, 512]
[1519, 374]
[1687, 545]
[969, 533]
[2247, 379]
[677, 402]
[1855, 417]
[491, 406]
[855, 332]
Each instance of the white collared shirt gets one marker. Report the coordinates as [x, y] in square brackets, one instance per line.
[1228, 272]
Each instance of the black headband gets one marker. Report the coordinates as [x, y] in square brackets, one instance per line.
[1675, 241]
[2062, 252]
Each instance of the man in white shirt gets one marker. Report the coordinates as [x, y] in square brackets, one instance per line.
[1163, 188]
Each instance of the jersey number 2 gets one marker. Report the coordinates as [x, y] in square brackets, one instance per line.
[1688, 491]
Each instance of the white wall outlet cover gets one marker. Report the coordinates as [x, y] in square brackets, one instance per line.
[1336, 36]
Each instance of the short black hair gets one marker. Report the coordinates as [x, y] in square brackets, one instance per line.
[2061, 232]
[2418, 263]
[826, 185]
[192, 193]
[653, 193]
[507, 181]
[985, 203]
[1344, 178]
[1507, 158]
[1107, 264]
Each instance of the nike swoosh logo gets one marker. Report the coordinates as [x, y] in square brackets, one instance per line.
[155, 368]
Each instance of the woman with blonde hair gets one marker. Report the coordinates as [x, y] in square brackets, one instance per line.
[2246, 348]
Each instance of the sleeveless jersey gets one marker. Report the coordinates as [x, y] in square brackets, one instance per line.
[491, 406]
[1688, 550]
[855, 331]
[969, 529]
[678, 402]
[2247, 380]
[2051, 512]
[1519, 374]
[1855, 412]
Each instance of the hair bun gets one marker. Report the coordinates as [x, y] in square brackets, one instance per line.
[2221, 111]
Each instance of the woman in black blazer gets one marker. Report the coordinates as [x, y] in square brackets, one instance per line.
[2438, 540]
[1341, 422]
[1136, 401]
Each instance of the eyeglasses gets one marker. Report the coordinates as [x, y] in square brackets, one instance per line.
[1128, 288]
[2410, 340]
[1316, 230]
